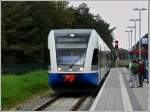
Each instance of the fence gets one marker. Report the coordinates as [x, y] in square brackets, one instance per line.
[21, 68]
[123, 63]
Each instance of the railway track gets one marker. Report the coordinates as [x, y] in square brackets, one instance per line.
[60, 102]
[48, 102]
[69, 101]
[79, 103]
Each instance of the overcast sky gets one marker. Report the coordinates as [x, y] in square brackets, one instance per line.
[117, 14]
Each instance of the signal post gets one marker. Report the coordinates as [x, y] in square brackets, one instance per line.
[116, 46]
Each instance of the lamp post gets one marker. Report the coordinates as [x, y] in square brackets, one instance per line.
[128, 39]
[131, 33]
[128, 42]
[127, 57]
[140, 10]
[135, 20]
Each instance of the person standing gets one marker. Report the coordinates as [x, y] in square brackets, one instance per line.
[134, 73]
[130, 72]
[141, 72]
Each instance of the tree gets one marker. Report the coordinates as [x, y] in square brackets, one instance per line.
[25, 28]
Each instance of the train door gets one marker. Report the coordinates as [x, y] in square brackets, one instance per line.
[99, 62]
[95, 59]
[95, 62]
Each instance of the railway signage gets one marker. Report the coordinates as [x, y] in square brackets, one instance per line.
[144, 41]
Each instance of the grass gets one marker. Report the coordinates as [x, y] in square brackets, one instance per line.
[16, 89]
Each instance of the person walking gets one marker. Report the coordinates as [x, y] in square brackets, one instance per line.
[130, 72]
[141, 72]
[134, 73]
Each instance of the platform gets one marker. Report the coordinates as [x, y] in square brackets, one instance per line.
[117, 95]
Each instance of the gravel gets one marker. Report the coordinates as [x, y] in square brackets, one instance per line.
[85, 106]
[31, 104]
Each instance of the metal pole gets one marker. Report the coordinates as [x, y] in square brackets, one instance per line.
[131, 38]
[126, 52]
[139, 34]
[116, 58]
[134, 29]
[135, 33]
[131, 33]
[129, 42]
[140, 20]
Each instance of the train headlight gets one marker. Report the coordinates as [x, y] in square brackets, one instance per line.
[59, 69]
[81, 68]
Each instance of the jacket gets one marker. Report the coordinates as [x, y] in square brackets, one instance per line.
[141, 69]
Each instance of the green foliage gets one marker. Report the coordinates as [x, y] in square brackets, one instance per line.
[134, 68]
[25, 27]
[17, 88]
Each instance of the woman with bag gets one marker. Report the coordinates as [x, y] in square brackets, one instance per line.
[134, 73]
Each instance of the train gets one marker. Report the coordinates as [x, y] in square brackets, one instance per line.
[79, 59]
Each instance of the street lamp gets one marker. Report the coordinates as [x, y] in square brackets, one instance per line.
[128, 42]
[128, 39]
[131, 33]
[140, 10]
[135, 20]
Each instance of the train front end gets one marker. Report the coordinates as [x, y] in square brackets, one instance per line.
[74, 60]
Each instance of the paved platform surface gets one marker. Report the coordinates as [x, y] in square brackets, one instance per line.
[117, 95]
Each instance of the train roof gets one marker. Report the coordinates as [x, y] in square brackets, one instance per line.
[85, 32]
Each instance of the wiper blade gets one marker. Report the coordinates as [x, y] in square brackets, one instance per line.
[70, 66]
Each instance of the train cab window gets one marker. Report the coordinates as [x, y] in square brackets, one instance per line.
[95, 57]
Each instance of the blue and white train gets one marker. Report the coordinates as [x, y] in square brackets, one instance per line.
[79, 59]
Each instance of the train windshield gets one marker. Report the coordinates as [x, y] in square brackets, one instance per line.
[71, 46]
[71, 56]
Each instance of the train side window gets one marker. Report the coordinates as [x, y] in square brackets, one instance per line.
[95, 57]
